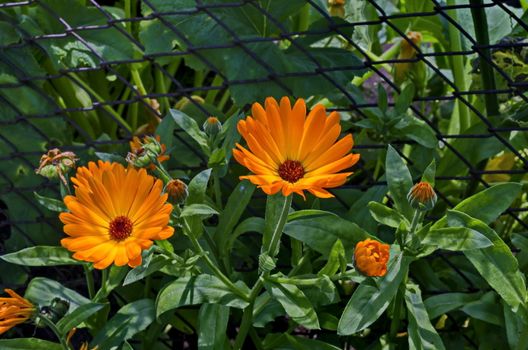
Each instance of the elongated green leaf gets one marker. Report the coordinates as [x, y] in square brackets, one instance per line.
[443, 303]
[429, 173]
[252, 224]
[399, 181]
[302, 343]
[320, 233]
[456, 238]
[369, 301]
[308, 212]
[197, 290]
[236, 204]
[212, 326]
[385, 215]
[151, 263]
[28, 343]
[422, 334]
[41, 256]
[516, 324]
[128, 321]
[274, 222]
[487, 309]
[42, 291]
[78, 316]
[198, 209]
[496, 263]
[50, 203]
[488, 204]
[334, 259]
[295, 303]
[190, 126]
[197, 187]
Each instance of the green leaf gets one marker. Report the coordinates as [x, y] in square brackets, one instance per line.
[385, 215]
[78, 316]
[308, 212]
[42, 291]
[51, 203]
[198, 209]
[369, 301]
[383, 102]
[28, 343]
[212, 326]
[151, 263]
[334, 259]
[490, 203]
[190, 126]
[443, 303]
[294, 302]
[197, 290]
[429, 173]
[41, 256]
[456, 239]
[116, 275]
[404, 100]
[320, 233]
[399, 181]
[422, 334]
[235, 206]
[487, 309]
[274, 220]
[496, 263]
[197, 188]
[128, 321]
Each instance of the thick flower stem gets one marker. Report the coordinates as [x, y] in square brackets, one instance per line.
[398, 304]
[89, 281]
[272, 251]
[54, 329]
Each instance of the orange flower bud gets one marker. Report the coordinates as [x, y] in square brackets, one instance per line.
[143, 151]
[177, 190]
[336, 8]
[14, 310]
[422, 196]
[371, 257]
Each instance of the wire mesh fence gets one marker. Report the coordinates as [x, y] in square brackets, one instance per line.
[86, 76]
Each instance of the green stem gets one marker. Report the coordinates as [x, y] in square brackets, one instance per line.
[211, 94]
[398, 304]
[162, 89]
[214, 268]
[390, 53]
[89, 281]
[273, 248]
[54, 329]
[217, 190]
[247, 316]
[128, 14]
[457, 66]
[488, 78]
[136, 77]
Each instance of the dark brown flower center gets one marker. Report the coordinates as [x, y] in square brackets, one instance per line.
[291, 171]
[120, 228]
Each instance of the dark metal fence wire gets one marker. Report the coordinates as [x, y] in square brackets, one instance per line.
[14, 154]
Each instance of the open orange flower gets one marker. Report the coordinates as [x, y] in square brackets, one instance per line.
[115, 214]
[291, 152]
[14, 310]
[371, 257]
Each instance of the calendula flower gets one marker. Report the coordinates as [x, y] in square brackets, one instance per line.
[336, 8]
[291, 152]
[422, 196]
[142, 152]
[177, 190]
[212, 126]
[14, 310]
[116, 212]
[371, 257]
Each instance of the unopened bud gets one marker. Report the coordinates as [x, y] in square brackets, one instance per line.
[143, 152]
[422, 196]
[177, 191]
[212, 126]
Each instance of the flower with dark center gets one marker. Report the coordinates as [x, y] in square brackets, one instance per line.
[291, 151]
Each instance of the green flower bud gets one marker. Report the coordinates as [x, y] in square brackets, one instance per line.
[422, 196]
[212, 126]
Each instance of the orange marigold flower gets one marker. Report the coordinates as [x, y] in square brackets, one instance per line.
[371, 257]
[14, 310]
[142, 151]
[291, 152]
[115, 214]
[422, 196]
